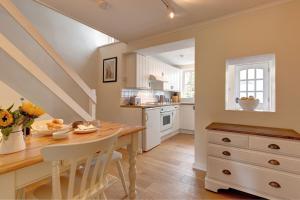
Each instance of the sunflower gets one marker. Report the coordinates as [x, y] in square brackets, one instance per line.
[6, 118]
[32, 109]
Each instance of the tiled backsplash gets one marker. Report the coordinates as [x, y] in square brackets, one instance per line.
[147, 96]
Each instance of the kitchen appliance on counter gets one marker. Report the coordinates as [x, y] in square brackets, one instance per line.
[175, 98]
[135, 100]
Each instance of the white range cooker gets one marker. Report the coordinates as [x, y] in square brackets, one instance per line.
[167, 114]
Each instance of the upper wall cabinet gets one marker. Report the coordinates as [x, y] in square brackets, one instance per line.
[139, 68]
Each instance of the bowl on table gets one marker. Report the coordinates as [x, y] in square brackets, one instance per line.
[82, 127]
[48, 127]
[249, 104]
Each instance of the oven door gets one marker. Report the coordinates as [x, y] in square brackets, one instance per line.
[166, 120]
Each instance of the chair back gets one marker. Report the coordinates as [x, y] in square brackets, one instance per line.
[79, 154]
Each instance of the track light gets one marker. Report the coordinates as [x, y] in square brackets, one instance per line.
[170, 10]
[102, 4]
[171, 14]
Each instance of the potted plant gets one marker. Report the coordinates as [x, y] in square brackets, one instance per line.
[13, 122]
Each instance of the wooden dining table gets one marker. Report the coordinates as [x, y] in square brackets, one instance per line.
[21, 169]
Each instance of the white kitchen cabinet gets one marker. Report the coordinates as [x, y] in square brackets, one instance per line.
[176, 119]
[187, 117]
[139, 68]
[137, 71]
[151, 137]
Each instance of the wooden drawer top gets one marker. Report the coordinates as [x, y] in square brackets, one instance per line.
[255, 130]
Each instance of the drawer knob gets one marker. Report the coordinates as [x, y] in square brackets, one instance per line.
[226, 153]
[274, 162]
[226, 140]
[226, 172]
[274, 184]
[273, 146]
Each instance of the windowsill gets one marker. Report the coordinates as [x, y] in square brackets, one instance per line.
[251, 111]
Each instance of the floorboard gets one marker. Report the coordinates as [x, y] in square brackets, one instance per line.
[166, 173]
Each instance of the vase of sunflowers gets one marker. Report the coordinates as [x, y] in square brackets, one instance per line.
[13, 122]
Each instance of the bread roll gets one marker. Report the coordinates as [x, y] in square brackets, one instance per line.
[58, 121]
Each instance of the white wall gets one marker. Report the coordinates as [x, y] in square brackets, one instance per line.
[268, 30]
[109, 94]
[12, 97]
[75, 42]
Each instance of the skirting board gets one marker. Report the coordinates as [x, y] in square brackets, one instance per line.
[185, 131]
[199, 166]
[165, 137]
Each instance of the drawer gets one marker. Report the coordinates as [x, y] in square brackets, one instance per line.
[266, 181]
[272, 161]
[228, 139]
[276, 146]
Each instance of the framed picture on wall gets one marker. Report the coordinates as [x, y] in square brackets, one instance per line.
[110, 70]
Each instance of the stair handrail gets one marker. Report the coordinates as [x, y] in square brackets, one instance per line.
[25, 62]
[34, 33]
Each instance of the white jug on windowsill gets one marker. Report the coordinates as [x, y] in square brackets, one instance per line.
[14, 143]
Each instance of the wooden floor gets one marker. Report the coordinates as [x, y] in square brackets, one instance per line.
[166, 173]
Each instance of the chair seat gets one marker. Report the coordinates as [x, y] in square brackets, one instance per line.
[116, 156]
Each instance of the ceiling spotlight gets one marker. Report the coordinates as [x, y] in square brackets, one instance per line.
[169, 8]
[171, 14]
[103, 4]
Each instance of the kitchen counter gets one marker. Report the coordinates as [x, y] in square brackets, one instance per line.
[255, 130]
[186, 103]
[144, 106]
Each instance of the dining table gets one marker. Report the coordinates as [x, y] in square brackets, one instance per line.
[21, 169]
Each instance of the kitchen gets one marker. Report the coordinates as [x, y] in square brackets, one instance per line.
[160, 90]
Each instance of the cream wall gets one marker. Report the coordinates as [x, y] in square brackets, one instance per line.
[272, 29]
[109, 94]
[12, 97]
[77, 44]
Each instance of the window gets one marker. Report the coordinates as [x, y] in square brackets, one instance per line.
[251, 76]
[188, 84]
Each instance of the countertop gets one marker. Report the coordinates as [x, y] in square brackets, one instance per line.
[255, 130]
[154, 105]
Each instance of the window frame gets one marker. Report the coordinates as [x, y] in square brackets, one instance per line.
[260, 65]
[183, 85]
[233, 68]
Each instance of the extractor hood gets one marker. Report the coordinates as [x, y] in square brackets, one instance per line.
[154, 78]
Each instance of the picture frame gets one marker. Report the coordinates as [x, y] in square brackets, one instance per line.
[110, 70]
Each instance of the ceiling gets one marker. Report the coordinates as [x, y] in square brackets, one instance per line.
[129, 20]
[178, 54]
[180, 57]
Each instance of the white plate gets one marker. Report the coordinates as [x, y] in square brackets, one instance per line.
[92, 130]
[42, 128]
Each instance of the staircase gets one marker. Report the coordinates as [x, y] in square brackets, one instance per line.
[44, 79]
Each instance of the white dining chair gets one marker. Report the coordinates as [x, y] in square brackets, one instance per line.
[91, 183]
[116, 158]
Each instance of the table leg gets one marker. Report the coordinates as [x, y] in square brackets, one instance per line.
[132, 152]
[8, 187]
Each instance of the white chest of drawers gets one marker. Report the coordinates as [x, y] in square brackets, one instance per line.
[265, 166]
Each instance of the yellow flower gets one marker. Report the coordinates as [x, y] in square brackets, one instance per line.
[32, 109]
[6, 118]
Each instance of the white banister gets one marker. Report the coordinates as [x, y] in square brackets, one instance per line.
[92, 106]
[33, 32]
[18, 56]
